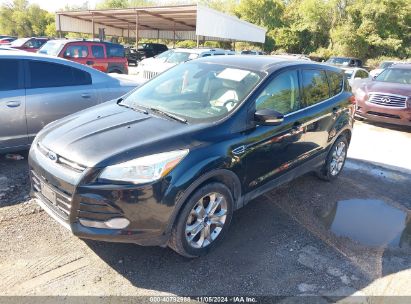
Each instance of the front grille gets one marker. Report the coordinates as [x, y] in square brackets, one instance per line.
[61, 160]
[384, 115]
[149, 74]
[388, 100]
[62, 205]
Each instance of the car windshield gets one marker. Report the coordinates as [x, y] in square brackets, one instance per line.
[195, 91]
[386, 64]
[339, 61]
[179, 57]
[395, 75]
[165, 54]
[51, 48]
[19, 42]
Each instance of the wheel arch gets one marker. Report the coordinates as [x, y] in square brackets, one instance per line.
[223, 176]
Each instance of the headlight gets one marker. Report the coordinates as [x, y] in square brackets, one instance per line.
[360, 94]
[144, 169]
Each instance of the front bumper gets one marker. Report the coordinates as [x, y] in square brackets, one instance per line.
[77, 196]
[384, 114]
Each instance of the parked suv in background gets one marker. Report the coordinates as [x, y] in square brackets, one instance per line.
[169, 163]
[147, 50]
[151, 67]
[387, 98]
[28, 44]
[104, 56]
[345, 61]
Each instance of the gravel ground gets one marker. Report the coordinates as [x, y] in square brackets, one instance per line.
[283, 243]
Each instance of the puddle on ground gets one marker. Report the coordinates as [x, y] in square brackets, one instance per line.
[368, 221]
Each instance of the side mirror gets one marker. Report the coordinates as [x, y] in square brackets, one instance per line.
[268, 117]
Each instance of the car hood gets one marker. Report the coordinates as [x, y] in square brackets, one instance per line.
[388, 87]
[110, 133]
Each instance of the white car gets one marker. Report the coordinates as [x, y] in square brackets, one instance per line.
[151, 67]
[356, 76]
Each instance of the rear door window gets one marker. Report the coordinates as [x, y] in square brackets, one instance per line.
[97, 51]
[48, 74]
[315, 86]
[336, 81]
[281, 94]
[76, 51]
[9, 75]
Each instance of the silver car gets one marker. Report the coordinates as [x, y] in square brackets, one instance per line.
[36, 90]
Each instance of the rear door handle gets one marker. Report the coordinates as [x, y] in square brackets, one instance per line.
[89, 62]
[13, 104]
[86, 95]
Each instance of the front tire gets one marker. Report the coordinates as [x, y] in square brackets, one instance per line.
[335, 160]
[203, 221]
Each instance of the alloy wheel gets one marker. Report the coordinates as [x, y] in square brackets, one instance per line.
[206, 220]
[338, 158]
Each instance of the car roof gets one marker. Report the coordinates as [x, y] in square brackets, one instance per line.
[65, 41]
[198, 51]
[404, 66]
[262, 63]
[6, 54]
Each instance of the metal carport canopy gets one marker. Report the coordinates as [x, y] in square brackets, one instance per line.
[182, 22]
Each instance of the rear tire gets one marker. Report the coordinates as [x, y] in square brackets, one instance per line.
[335, 160]
[203, 221]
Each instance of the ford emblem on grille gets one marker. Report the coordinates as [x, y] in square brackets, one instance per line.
[386, 100]
[52, 156]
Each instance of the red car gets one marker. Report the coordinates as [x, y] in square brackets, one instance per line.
[104, 56]
[7, 40]
[28, 44]
[387, 98]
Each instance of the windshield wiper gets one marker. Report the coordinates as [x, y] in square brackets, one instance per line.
[135, 108]
[173, 116]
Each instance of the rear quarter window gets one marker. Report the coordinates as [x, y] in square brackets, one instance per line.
[336, 81]
[315, 86]
[48, 74]
[115, 51]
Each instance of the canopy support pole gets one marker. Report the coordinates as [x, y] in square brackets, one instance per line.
[198, 41]
[174, 35]
[128, 33]
[59, 26]
[92, 25]
[136, 30]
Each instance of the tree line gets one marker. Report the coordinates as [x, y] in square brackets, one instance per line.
[360, 28]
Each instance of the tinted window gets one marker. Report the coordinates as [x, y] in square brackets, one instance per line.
[315, 86]
[46, 74]
[336, 81]
[9, 74]
[98, 51]
[281, 94]
[115, 51]
[76, 51]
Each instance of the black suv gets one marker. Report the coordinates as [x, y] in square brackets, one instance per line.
[147, 50]
[168, 163]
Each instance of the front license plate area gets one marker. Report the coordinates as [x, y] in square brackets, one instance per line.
[48, 193]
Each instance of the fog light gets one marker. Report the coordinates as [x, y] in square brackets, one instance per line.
[115, 223]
